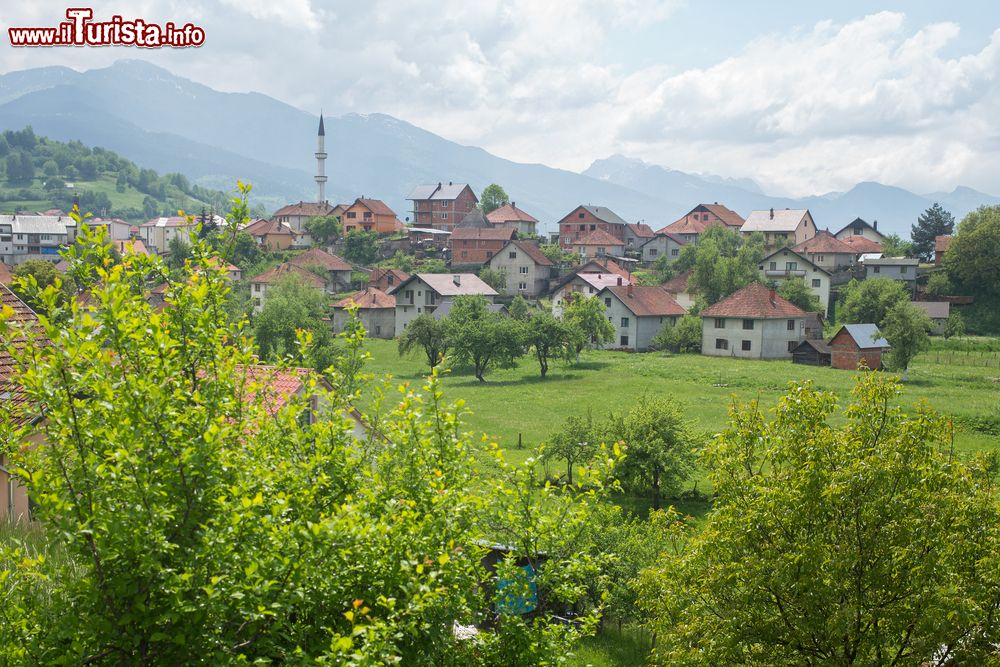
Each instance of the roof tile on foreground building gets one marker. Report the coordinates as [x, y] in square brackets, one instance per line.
[755, 301]
[12, 395]
[598, 237]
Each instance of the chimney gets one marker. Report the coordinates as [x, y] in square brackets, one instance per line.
[629, 290]
[457, 279]
[772, 214]
[450, 183]
[513, 204]
[771, 295]
[619, 281]
[875, 225]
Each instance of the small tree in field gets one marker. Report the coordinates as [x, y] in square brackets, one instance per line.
[586, 315]
[481, 338]
[575, 443]
[427, 334]
[684, 336]
[907, 329]
[856, 538]
[954, 325]
[868, 301]
[549, 337]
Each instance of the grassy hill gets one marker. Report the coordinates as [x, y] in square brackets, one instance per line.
[38, 173]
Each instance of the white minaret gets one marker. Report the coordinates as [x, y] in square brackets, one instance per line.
[320, 160]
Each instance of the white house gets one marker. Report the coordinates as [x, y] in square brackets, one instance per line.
[24, 237]
[752, 323]
[663, 244]
[860, 228]
[638, 314]
[588, 284]
[782, 227]
[424, 292]
[527, 268]
[785, 263]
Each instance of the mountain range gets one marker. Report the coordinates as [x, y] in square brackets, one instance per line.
[169, 123]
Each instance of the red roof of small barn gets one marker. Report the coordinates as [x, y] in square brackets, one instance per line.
[509, 212]
[755, 301]
[648, 301]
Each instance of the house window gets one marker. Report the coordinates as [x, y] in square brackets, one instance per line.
[522, 286]
[819, 258]
[748, 325]
[791, 266]
[721, 344]
[408, 294]
[876, 269]
[773, 266]
[624, 322]
[465, 254]
[792, 344]
[512, 255]
[624, 341]
[791, 325]
[593, 227]
[489, 253]
[368, 215]
[607, 301]
[351, 215]
[390, 279]
[600, 251]
[445, 204]
[704, 216]
[378, 330]
[745, 345]
[580, 215]
[674, 252]
[816, 282]
[443, 215]
[256, 287]
[903, 269]
[522, 270]
[590, 289]
[720, 323]
[652, 252]
[256, 302]
[583, 228]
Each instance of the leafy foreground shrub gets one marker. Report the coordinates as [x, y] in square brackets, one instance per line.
[199, 524]
[863, 544]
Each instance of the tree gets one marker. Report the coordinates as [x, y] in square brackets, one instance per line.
[575, 443]
[864, 301]
[178, 251]
[401, 261]
[361, 247]
[190, 514]
[907, 329]
[556, 254]
[20, 168]
[939, 284]
[894, 246]
[973, 258]
[550, 337]
[843, 539]
[39, 274]
[932, 223]
[292, 306]
[684, 336]
[492, 198]
[495, 278]
[954, 325]
[50, 168]
[481, 338]
[520, 309]
[324, 229]
[723, 262]
[795, 290]
[658, 445]
[427, 334]
[586, 315]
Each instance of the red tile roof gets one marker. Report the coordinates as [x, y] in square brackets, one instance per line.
[12, 395]
[728, 216]
[677, 284]
[483, 233]
[376, 276]
[277, 273]
[6, 273]
[304, 208]
[603, 265]
[134, 246]
[860, 245]
[599, 237]
[320, 257]
[369, 298]
[647, 301]
[268, 227]
[755, 301]
[277, 385]
[532, 251]
[824, 242]
[508, 213]
[376, 206]
[942, 242]
[641, 230]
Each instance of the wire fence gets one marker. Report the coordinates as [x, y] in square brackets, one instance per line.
[965, 358]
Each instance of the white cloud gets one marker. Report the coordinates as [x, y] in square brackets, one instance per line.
[804, 111]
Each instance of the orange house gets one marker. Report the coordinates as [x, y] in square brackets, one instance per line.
[370, 215]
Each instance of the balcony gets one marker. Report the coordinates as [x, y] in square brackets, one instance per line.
[785, 273]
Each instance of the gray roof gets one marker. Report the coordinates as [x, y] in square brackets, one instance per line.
[892, 261]
[474, 219]
[936, 310]
[451, 284]
[38, 224]
[605, 214]
[447, 191]
[867, 336]
[783, 220]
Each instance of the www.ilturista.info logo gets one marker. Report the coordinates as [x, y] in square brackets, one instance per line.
[79, 30]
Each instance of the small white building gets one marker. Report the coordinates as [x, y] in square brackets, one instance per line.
[752, 323]
[784, 264]
[781, 227]
[527, 268]
[424, 292]
[663, 244]
[24, 237]
[638, 314]
[896, 268]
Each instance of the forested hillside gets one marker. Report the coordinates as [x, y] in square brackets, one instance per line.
[38, 173]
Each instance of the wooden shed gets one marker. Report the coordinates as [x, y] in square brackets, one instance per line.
[857, 343]
[812, 352]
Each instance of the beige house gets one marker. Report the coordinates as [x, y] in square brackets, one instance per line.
[860, 228]
[782, 227]
[510, 216]
[638, 314]
[157, 233]
[783, 264]
[424, 292]
[752, 323]
[528, 270]
[598, 243]
[376, 310]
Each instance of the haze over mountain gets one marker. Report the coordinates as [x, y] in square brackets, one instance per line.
[170, 123]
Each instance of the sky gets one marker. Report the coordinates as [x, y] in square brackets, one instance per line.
[803, 97]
